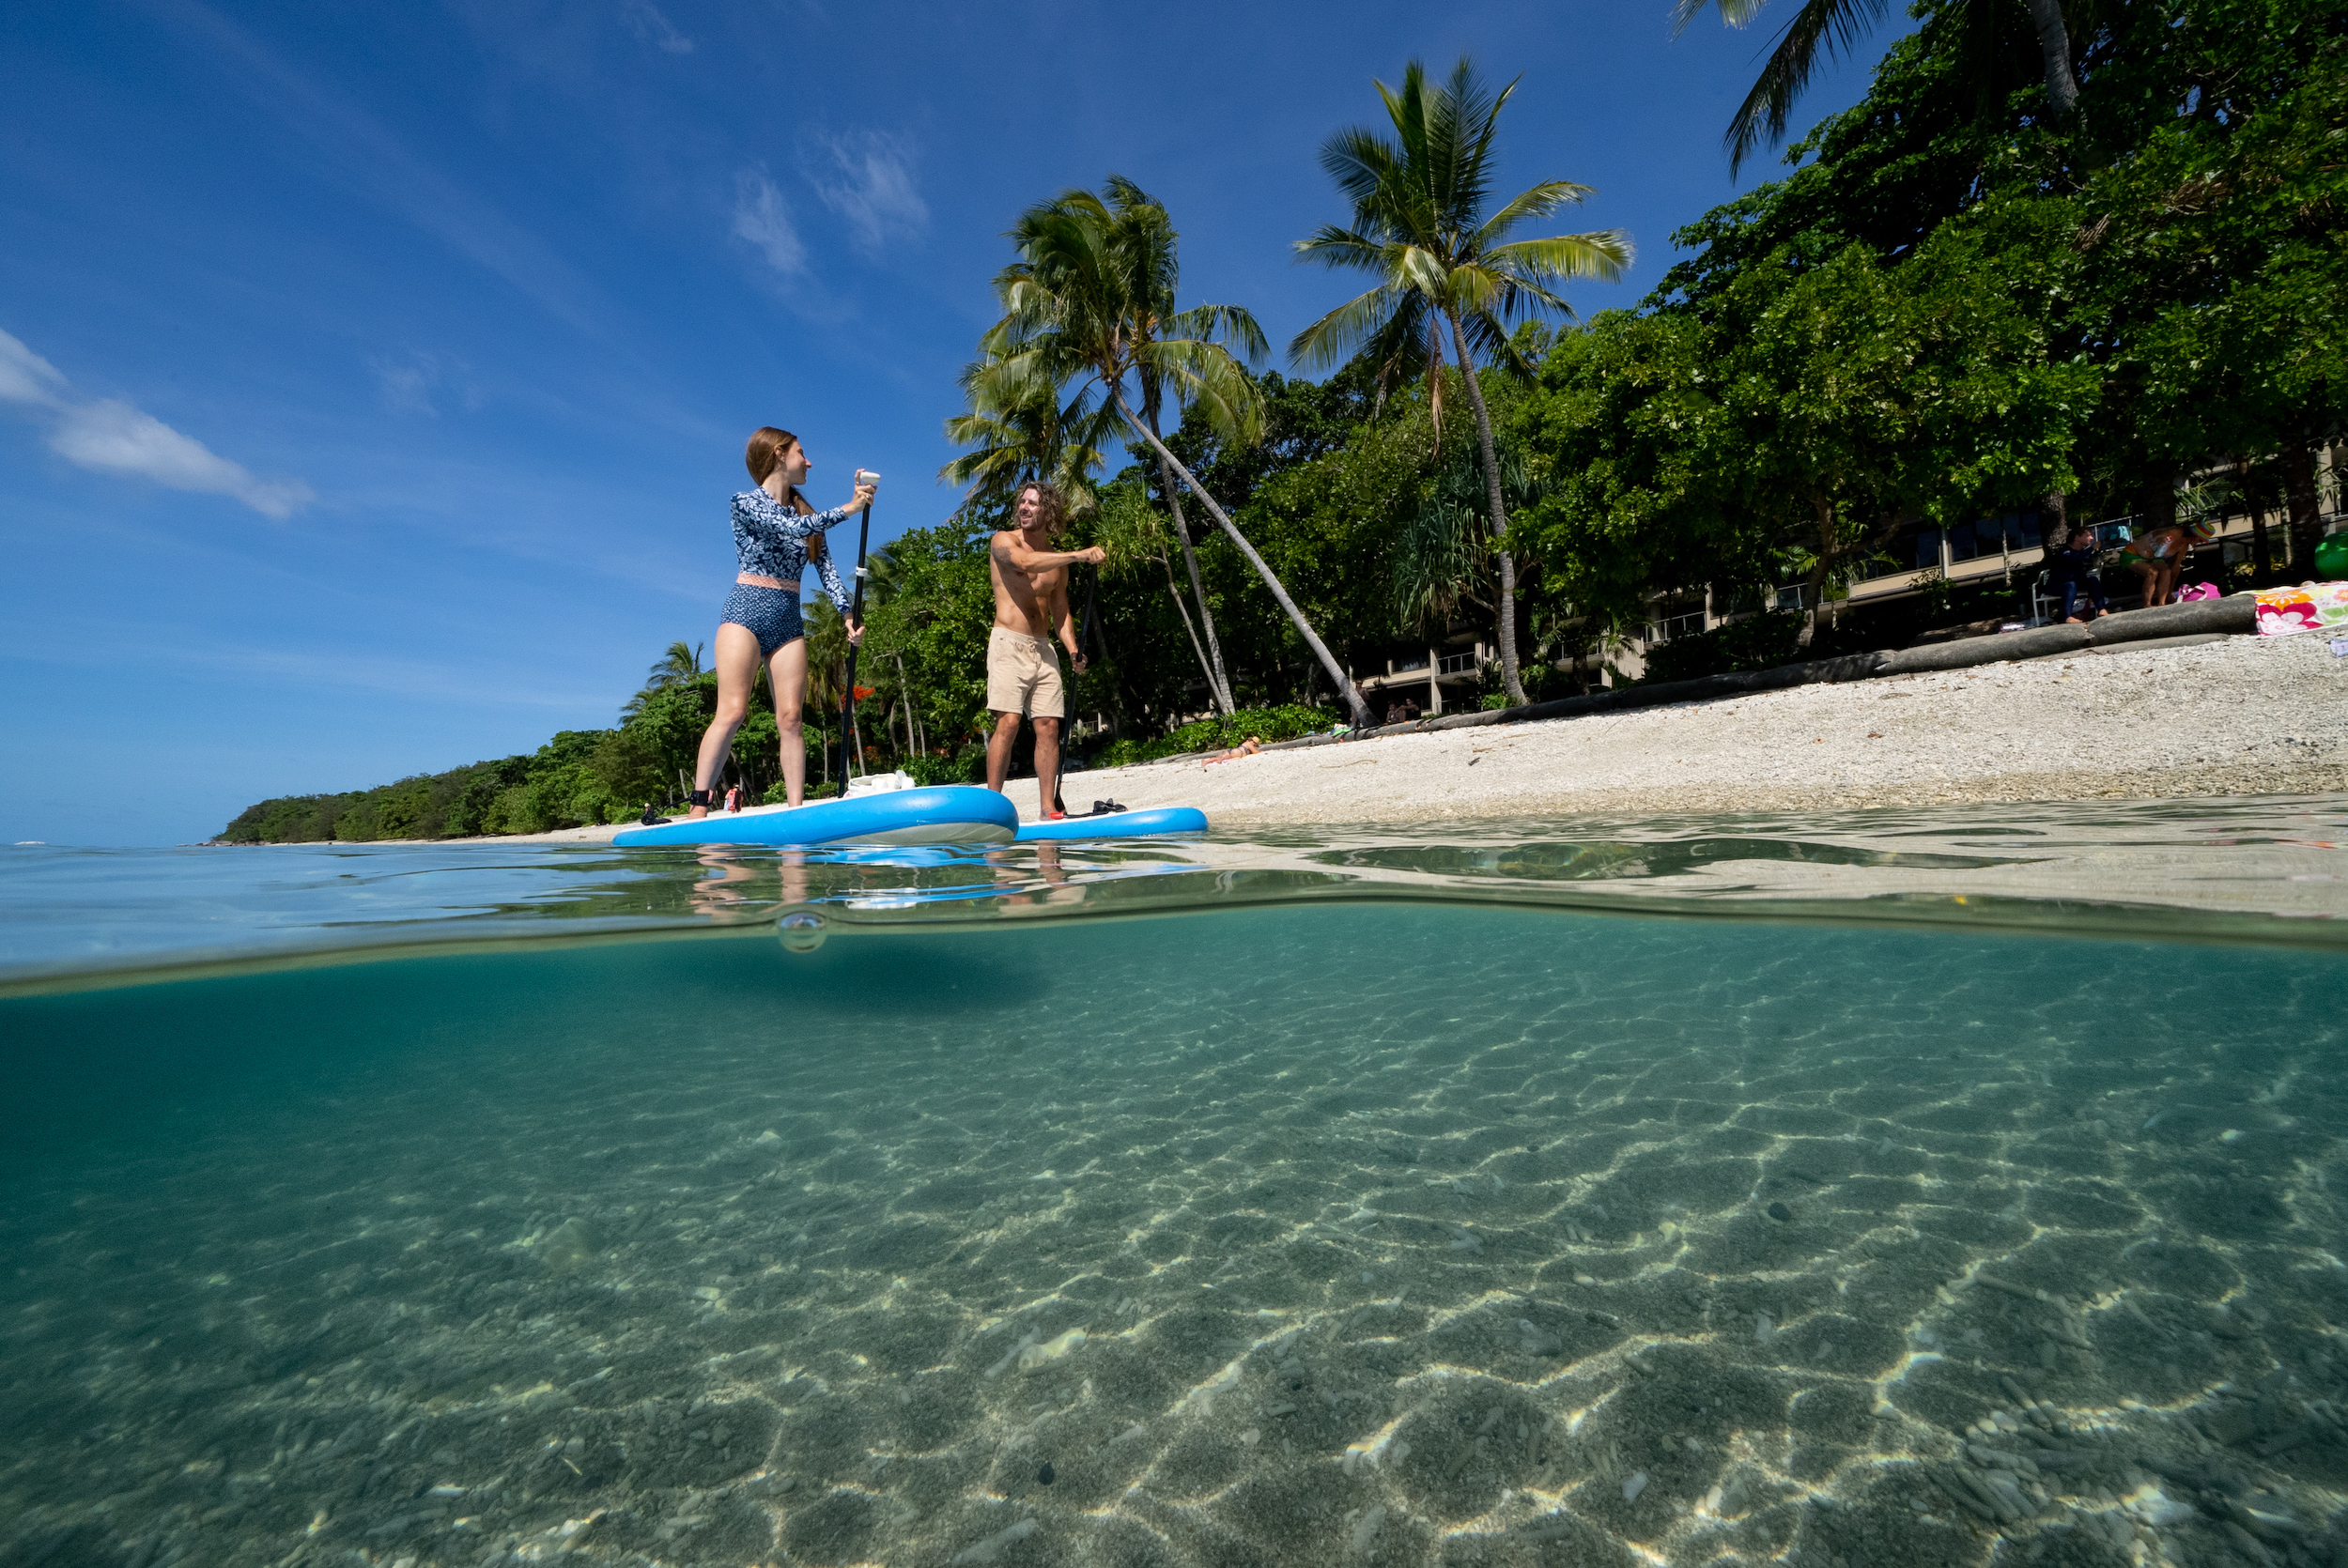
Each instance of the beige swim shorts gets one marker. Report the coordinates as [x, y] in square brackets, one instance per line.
[1023, 675]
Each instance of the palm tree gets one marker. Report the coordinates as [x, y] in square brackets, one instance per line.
[1419, 224]
[1836, 26]
[1131, 244]
[1091, 300]
[680, 666]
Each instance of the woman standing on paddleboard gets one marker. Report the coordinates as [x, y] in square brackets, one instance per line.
[773, 525]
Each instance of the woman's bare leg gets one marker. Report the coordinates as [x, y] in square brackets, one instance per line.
[787, 670]
[735, 659]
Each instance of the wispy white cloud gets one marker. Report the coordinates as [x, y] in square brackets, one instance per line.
[27, 378]
[761, 218]
[418, 382]
[655, 29]
[866, 179]
[108, 435]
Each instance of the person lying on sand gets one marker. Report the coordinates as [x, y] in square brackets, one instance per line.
[1247, 747]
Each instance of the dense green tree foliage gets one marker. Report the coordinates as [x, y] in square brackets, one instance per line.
[1941, 314]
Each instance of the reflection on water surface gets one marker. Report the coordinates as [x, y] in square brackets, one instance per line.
[2211, 870]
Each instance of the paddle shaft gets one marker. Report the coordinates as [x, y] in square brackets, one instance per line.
[847, 698]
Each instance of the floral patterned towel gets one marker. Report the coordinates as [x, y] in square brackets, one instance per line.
[2312, 606]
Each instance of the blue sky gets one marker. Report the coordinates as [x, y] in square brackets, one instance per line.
[376, 375]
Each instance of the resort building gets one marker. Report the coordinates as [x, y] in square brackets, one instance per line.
[2009, 548]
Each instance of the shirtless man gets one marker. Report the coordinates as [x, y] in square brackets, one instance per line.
[1022, 668]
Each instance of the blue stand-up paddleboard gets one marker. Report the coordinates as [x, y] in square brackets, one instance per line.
[1155, 823]
[947, 814]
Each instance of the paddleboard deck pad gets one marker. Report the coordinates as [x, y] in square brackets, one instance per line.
[1156, 822]
[944, 814]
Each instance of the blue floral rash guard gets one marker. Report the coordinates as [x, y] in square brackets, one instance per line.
[770, 541]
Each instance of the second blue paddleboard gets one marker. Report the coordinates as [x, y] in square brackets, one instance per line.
[1157, 822]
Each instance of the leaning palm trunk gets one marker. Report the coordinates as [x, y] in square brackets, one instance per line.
[1509, 680]
[1218, 683]
[1188, 625]
[2054, 50]
[1355, 707]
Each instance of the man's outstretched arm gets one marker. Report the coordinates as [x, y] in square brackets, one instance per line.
[1015, 554]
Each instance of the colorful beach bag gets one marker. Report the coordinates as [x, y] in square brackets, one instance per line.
[2312, 606]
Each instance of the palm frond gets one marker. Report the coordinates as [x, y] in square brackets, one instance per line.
[1359, 160]
[1334, 338]
[1332, 246]
[1735, 13]
[1206, 374]
[1549, 196]
[1604, 255]
[1397, 352]
[1832, 25]
[1468, 118]
[1230, 325]
[1421, 268]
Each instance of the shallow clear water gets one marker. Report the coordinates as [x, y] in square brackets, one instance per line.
[1511, 1216]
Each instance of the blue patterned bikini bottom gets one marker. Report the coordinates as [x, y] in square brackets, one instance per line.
[768, 614]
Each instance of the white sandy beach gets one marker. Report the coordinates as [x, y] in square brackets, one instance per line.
[2245, 715]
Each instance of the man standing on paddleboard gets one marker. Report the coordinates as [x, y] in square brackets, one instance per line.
[1022, 679]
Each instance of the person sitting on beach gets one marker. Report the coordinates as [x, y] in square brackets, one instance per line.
[2073, 571]
[772, 527]
[1022, 679]
[1247, 747]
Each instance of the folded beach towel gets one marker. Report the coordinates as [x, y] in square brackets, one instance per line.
[2312, 606]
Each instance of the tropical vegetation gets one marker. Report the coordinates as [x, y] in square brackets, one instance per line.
[1964, 297]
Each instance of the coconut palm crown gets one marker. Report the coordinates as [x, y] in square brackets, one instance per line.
[1424, 227]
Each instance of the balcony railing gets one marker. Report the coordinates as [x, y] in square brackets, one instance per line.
[1674, 625]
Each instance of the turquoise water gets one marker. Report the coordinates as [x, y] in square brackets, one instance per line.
[1542, 1194]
